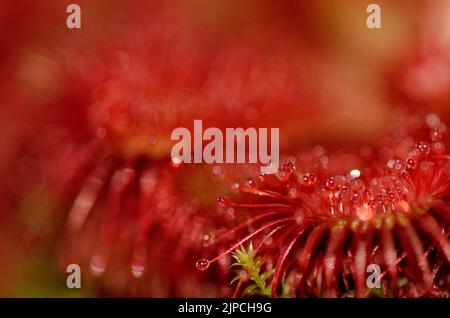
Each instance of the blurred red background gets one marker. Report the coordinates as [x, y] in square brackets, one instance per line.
[72, 99]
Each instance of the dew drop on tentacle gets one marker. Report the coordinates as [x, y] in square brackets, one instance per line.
[330, 184]
[236, 187]
[423, 147]
[355, 173]
[206, 240]
[262, 177]
[288, 168]
[343, 192]
[365, 212]
[405, 175]
[292, 191]
[285, 172]
[250, 183]
[367, 195]
[306, 180]
[411, 163]
[435, 134]
[355, 197]
[202, 264]
[223, 202]
[398, 165]
[312, 179]
[391, 195]
[379, 198]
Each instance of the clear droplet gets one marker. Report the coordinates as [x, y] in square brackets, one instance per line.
[202, 264]
[355, 173]
[250, 183]
[262, 177]
[365, 212]
[380, 198]
[411, 164]
[330, 184]
[206, 240]
[424, 147]
[235, 187]
[288, 168]
[223, 202]
[435, 134]
[312, 179]
[306, 180]
[391, 195]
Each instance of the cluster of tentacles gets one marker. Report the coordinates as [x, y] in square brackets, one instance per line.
[133, 225]
[324, 218]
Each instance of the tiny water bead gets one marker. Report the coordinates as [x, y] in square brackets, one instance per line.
[206, 239]
[288, 168]
[285, 172]
[202, 264]
[411, 163]
[424, 147]
[391, 195]
[236, 187]
[223, 202]
[367, 195]
[262, 177]
[250, 183]
[355, 173]
[306, 180]
[435, 134]
[330, 184]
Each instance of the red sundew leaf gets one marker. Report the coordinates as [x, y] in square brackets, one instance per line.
[362, 242]
[306, 254]
[429, 224]
[282, 258]
[389, 253]
[414, 247]
[332, 258]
